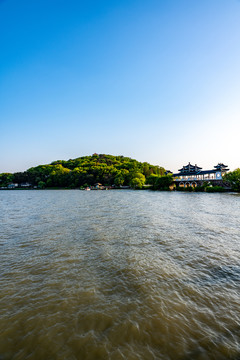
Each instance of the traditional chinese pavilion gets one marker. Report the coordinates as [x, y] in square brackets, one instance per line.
[192, 175]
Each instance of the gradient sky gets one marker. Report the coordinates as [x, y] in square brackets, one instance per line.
[156, 80]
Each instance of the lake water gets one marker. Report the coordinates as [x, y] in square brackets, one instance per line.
[119, 275]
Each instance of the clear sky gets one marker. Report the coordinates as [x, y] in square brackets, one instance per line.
[156, 80]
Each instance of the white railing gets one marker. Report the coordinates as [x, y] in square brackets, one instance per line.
[198, 179]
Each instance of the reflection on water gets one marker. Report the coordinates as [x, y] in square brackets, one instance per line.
[119, 275]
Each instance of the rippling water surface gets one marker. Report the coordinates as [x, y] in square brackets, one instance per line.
[119, 275]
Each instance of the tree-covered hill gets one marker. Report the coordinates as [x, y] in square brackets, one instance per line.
[85, 171]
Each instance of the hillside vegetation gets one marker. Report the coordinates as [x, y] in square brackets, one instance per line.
[86, 171]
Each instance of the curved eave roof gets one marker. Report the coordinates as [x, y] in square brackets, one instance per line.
[192, 168]
[220, 165]
[189, 167]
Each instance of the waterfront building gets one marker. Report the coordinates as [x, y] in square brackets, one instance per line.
[193, 175]
[12, 186]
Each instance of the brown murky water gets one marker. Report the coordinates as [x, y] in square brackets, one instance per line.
[119, 275]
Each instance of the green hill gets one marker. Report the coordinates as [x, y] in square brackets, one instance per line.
[85, 171]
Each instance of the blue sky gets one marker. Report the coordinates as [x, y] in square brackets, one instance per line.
[156, 80]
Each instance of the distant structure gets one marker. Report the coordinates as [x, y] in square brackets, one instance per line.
[193, 175]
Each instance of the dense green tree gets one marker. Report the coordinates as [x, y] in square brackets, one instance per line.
[5, 179]
[160, 182]
[41, 184]
[60, 176]
[119, 180]
[105, 169]
[137, 181]
[39, 173]
[163, 182]
[20, 177]
[233, 178]
[151, 179]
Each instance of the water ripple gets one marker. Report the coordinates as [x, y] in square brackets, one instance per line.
[119, 275]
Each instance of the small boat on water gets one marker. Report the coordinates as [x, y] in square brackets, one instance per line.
[87, 188]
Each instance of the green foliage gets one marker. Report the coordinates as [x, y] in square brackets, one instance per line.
[203, 188]
[5, 179]
[186, 189]
[119, 180]
[98, 168]
[151, 180]
[180, 188]
[20, 177]
[233, 178]
[199, 188]
[215, 189]
[41, 185]
[160, 182]
[137, 181]
[164, 182]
